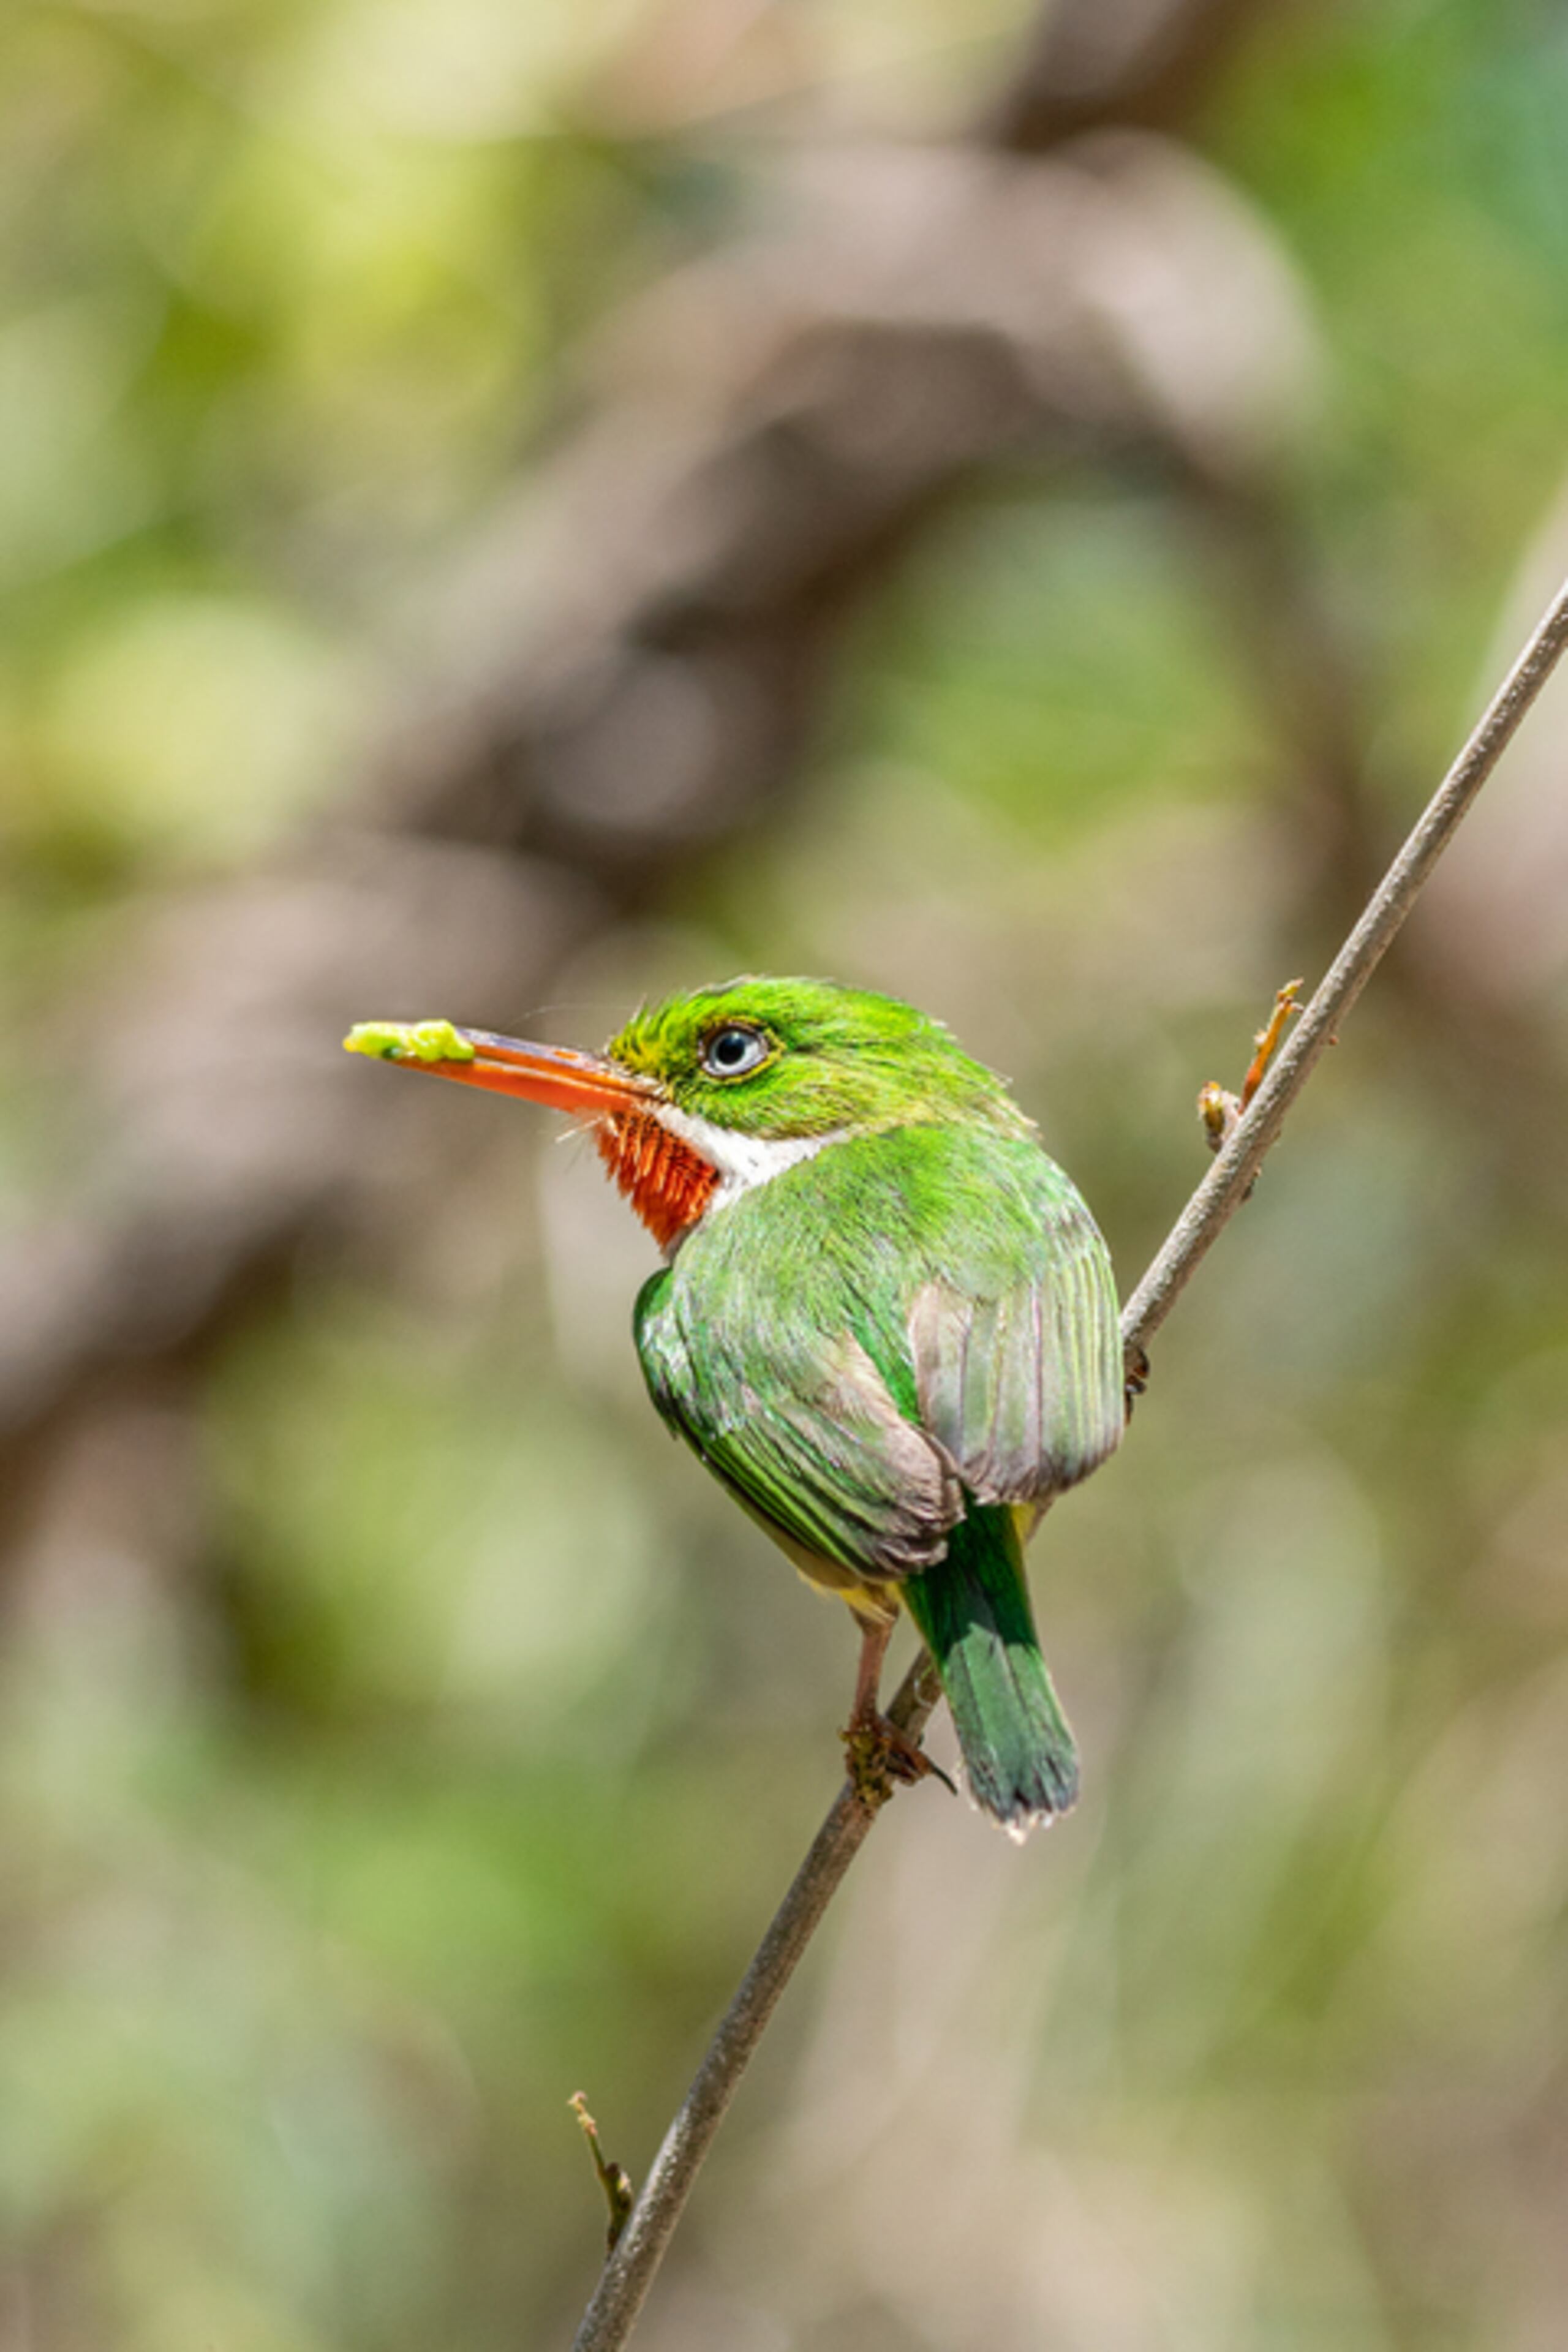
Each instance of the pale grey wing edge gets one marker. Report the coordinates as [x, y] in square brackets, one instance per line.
[1025, 1391]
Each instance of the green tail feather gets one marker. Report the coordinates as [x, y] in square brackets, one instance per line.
[974, 1610]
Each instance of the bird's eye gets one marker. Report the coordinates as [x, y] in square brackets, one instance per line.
[730, 1053]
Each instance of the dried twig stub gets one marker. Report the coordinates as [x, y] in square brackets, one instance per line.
[614, 2178]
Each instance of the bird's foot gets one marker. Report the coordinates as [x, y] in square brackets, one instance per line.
[878, 1754]
[1135, 1378]
[1223, 1112]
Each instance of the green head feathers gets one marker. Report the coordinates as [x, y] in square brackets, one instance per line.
[799, 1058]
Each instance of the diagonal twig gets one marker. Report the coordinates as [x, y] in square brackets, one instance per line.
[632, 2266]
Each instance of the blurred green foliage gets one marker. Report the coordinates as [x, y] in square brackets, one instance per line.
[459, 1761]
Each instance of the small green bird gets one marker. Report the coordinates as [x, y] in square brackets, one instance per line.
[886, 1322]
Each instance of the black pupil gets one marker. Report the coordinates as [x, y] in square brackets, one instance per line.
[731, 1048]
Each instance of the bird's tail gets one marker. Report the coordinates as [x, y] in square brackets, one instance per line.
[974, 1610]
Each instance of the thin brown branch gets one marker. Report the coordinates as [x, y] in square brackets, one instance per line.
[630, 2271]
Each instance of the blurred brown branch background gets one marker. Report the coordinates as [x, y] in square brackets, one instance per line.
[500, 510]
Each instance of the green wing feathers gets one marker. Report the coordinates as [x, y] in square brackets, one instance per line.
[810, 1438]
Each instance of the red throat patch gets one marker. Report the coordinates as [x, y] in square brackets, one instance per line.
[667, 1183]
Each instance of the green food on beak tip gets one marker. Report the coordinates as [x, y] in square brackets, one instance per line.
[406, 1041]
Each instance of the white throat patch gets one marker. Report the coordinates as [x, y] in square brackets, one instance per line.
[743, 1161]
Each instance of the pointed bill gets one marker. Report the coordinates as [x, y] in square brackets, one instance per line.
[588, 1086]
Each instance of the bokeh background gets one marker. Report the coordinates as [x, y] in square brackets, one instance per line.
[507, 506]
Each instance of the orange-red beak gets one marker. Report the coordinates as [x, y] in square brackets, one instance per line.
[586, 1085]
